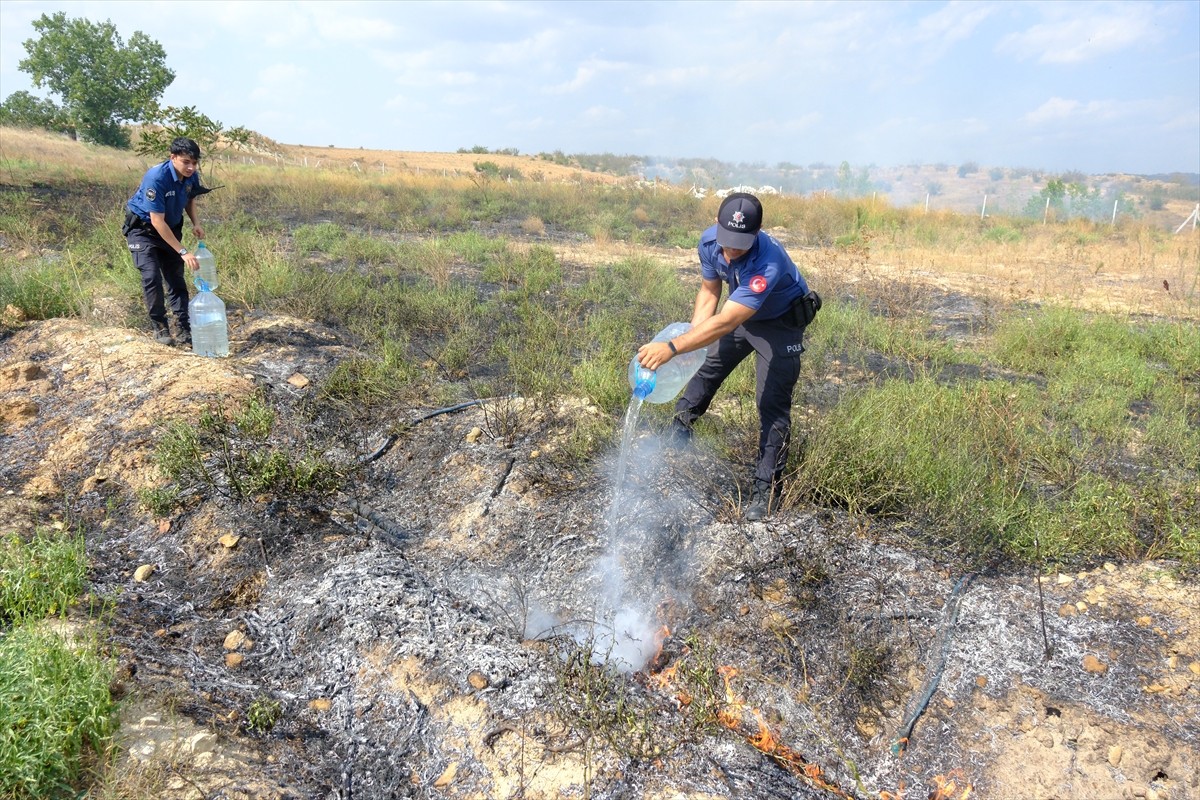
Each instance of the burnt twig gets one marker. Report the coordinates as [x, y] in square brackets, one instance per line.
[489, 738]
[935, 674]
[396, 534]
[1037, 550]
[394, 437]
[499, 485]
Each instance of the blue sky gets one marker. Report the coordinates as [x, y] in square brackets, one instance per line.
[1094, 86]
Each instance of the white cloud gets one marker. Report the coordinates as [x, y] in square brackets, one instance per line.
[971, 126]
[307, 24]
[423, 69]
[585, 74]
[1085, 34]
[953, 22]
[537, 49]
[1187, 121]
[786, 127]
[529, 124]
[1058, 109]
[676, 77]
[337, 25]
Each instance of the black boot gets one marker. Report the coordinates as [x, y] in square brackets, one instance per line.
[763, 500]
[162, 335]
[678, 436]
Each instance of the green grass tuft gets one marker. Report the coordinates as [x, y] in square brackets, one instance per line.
[40, 577]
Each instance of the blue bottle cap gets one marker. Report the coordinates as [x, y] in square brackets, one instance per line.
[201, 284]
[644, 383]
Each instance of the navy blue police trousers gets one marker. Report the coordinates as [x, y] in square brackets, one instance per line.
[159, 264]
[777, 345]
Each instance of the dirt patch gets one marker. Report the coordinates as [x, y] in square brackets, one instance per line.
[92, 399]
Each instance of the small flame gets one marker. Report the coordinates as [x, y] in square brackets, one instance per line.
[947, 788]
[660, 638]
[766, 742]
[665, 676]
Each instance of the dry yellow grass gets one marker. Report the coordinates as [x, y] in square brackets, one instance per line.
[1121, 273]
[61, 152]
[444, 164]
[1130, 268]
[57, 154]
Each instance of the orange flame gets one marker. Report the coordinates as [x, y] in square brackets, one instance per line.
[947, 788]
[766, 742]
[660, 638]
[664, 677]
[733, 716]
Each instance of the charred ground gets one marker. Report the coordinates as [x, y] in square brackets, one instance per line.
[416, 632]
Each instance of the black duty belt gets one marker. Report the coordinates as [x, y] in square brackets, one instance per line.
[132, 223]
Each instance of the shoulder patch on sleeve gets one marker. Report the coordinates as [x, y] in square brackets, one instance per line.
[758, 284]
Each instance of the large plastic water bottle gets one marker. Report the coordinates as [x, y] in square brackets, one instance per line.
[208, 265]
[210, 326]
[663, 384]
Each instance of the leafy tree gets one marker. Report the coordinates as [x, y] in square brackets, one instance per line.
[967, 168]
[26, 110]
[845, 178]
[171, 123]
[851, 185]
[102, 81]
[1055, 191]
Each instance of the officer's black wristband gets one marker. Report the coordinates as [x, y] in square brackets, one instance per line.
[671, 345]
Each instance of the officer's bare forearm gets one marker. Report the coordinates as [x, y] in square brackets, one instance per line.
[159, 222]
[713, 328]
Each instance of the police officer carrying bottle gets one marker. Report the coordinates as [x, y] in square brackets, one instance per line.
[154, 230]
[768, 308]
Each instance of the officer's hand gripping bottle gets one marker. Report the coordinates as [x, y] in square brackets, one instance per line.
[663, 384]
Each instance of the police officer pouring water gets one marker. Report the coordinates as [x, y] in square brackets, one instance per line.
[154, 230]
[768, 308]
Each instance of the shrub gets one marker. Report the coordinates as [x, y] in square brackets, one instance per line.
[55, 705]
[41, 288]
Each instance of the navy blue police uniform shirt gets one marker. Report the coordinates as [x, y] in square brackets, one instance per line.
[765, 279]
[163, 192]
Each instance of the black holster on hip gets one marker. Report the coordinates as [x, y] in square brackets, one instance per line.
[805, 309]
[132, 223]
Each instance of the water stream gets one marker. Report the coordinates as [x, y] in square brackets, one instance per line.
[631, 420]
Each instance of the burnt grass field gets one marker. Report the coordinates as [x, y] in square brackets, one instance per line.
[432, 628]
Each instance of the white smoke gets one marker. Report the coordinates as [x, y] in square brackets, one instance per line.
[636, 573]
